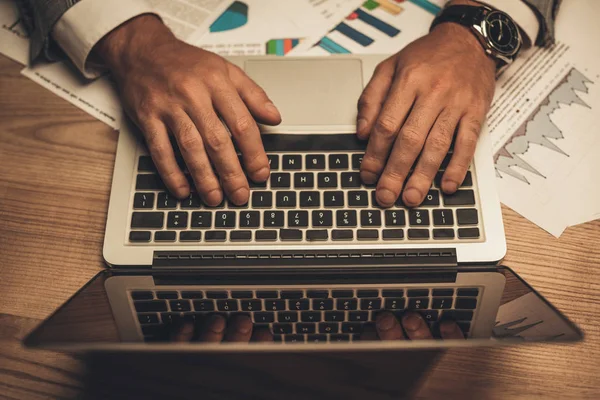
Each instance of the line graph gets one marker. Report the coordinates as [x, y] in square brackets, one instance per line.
[539, 127]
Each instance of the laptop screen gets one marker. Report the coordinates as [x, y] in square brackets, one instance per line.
[137, 311]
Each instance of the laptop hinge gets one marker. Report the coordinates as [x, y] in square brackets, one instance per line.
[304, 259]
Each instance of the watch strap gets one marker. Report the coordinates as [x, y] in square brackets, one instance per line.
[460, 14]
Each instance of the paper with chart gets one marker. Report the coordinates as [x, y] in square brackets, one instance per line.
[14, 42]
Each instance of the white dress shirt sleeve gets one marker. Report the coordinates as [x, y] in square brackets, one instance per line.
[88, 21]
[523, 16]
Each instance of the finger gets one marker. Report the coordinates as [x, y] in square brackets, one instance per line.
[435, 149]
[239, 329]
[183, 333]
[372, 98]
[245, 132]
[388, 327]
[369, 332]
[261, 335]
[259, 104]
[193, 152]
[464, 149]
[213, 329]
[450, 330]
[220, 149]
[161, 151]
[384, 132]
[406, 150]
[416, 328]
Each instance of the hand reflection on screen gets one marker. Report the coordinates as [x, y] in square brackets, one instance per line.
[239, 328]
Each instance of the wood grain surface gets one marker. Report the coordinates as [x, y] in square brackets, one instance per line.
[55, 170]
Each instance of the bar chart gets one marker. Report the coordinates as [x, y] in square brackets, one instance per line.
[280, 47]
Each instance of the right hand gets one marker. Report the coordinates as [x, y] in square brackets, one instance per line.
[387, 327]
[168, 86]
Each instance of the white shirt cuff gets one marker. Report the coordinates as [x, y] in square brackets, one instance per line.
[523, 16]
[80, 28]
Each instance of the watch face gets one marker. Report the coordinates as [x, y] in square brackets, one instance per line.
[502, 32]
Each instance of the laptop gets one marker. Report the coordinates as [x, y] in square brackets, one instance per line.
[311, 257]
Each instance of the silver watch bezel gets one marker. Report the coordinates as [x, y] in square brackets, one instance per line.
[481, 30]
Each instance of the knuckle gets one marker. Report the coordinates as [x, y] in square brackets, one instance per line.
[411, 136]
[439, 143]
[148, 105]
[243, 125]
[386, 126]
[188, 137]
[215, 141]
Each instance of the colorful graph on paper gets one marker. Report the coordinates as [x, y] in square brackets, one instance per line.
[280, 47]
[234, 17]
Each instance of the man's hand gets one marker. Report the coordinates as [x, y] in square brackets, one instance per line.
[414, 103]
[387, 327]
[169, 87]
[216, 329]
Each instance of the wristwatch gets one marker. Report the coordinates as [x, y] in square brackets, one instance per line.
[496, 31]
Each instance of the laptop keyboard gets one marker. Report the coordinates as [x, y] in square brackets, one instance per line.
[302, 315]
[308, 198]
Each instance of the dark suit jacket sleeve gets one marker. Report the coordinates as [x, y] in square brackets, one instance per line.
[545, 11]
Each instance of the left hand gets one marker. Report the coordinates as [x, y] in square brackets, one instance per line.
[413, 105]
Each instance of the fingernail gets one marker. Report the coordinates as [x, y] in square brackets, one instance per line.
[385, 197]
[271, 107]
[263, 173]
[411, 322]
[448, 327]
[216, 324]
[412, 196]
[386, 322]
[450, 186]
[361, 125]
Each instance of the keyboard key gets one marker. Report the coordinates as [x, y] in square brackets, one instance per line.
[180, 305]
[394, 303]
[253, 185]
[149, 182]
[201, 219]
[241, 294]
[273, 219]
[418, 303]
[145, 164]
[267, 294]
[139, 236]
[342, 293]
[273, 161]
[322, 304]
[468, 233]
[358, 198]
[356, 160]
[142, 295]
[291, 162]
[352, 327]
[282, 329]
[300, 305]
[150, 305]
[316, 235]
[264, 317]
[281, 180]
[165, 236]
[346, 304]
[338, 161]
[262, 199]
[192, 294]
[392, 293]
[460, 198]
[395, 218]
[327, 180]
[393, 234]
[358, 316]
[441, 302]
[345, 218]
[147, 219]
[316, 338]
[204, 305]
[470, 292]
[298, 219]
[143, 200]
[251, 305]
[306, 328]
[192, 201]
[249, 219]
[216, 294]
[458, 315]
[315, 161]
[418, 234]
[215, 236]
[370, 218]
[274, 305]
[266, 236]
[467, 216]
[430, 315]
[334, 316]
[443, 217]
[417, 292]
[310, 199]
[432, 198]
[362, 293]
[351, 179]
[370, 304]
[333, 198]
[342, 234]
[292, 294]
[285, 199]
[468, 181]
[148, 319]
[443, 233]
[367, 234]
[418, 217]
[442, 292]
[304, 180]
[287, 316]
[240, 236]
[310, 316]
[177, 220]
[329, 327]
[317, 294]
[322, 218]
[290, 234]
[165, 200]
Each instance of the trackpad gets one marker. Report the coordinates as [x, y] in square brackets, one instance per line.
[310, 92]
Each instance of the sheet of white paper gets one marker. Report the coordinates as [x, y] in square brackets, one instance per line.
[13, 38]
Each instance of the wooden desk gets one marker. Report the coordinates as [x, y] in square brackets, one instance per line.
[55, 170]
